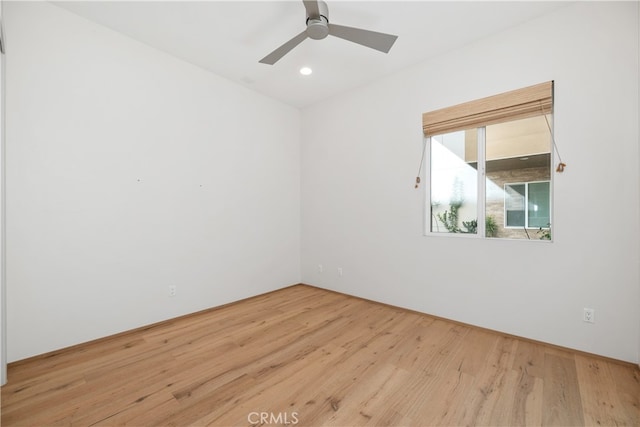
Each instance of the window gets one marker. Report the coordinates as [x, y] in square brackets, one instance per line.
[488, 166]
[527, 205]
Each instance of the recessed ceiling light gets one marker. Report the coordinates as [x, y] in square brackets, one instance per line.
[305, 71]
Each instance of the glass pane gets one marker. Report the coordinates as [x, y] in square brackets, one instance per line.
[454, 182]
[538, 206]
[517, 153]
[514, 203]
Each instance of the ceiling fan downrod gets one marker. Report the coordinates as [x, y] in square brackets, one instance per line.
[318, 24]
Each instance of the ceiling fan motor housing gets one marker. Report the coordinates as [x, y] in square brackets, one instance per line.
[318, 26]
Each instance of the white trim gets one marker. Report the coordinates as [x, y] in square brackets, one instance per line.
[3, 292]
[426, 179]
[481, 166]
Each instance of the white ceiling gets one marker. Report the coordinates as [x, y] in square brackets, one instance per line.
[230, 37]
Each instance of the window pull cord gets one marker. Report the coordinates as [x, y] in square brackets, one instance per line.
[424, 148]
[561, 165]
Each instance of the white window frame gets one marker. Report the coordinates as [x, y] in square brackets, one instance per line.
[481, 190]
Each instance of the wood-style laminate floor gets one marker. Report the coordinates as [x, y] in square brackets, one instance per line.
[311, 357]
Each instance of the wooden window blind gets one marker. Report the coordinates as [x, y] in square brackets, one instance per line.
[517, 104]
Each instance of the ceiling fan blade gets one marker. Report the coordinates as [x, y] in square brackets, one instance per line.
[372, 39]
[313, 10]
[275, 56]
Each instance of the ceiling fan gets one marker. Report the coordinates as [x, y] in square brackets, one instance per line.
[318, 27]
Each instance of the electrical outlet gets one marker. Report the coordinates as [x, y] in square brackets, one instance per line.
[589, 315]
[320, 268]
[340, 271]
[172, 290]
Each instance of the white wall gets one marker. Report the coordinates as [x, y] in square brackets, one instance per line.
[3, 299]
[638, 260]
[360, 212]
[129, 171]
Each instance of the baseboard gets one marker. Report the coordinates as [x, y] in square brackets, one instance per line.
[480, 328]
[162, 323]
[144, 328]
